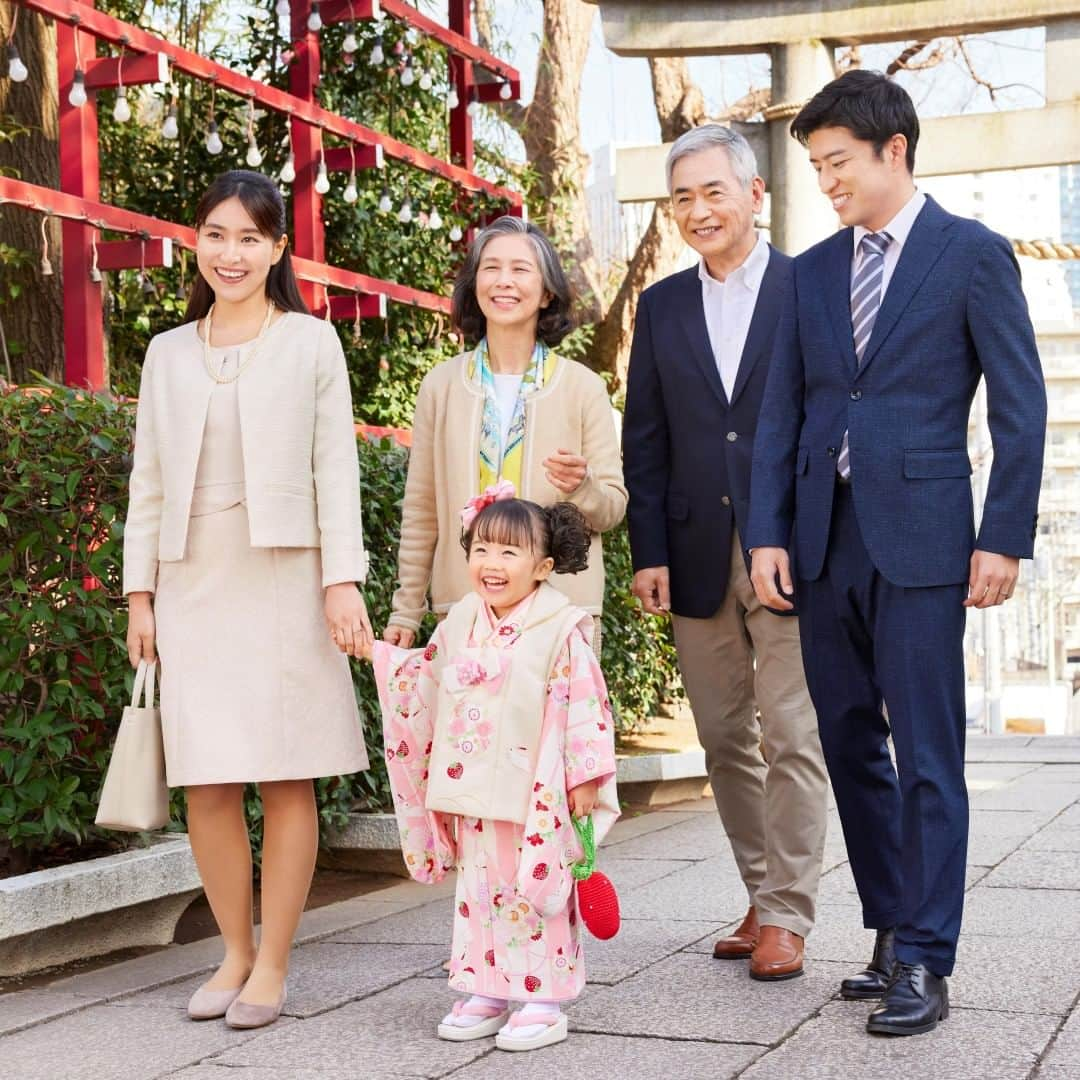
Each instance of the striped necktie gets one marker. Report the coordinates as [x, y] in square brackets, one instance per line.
[865, 305]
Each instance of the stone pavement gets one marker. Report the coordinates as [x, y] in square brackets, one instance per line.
[367, 991]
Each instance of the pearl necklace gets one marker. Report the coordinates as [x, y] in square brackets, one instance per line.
[246, 359]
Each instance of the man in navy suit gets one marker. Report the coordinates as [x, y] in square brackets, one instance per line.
[861, 453]
[702, 341]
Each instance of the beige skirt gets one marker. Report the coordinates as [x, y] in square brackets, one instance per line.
[252, 687]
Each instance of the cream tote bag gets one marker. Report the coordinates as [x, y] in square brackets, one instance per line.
[135, 797]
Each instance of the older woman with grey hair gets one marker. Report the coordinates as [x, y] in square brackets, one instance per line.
[508, 409]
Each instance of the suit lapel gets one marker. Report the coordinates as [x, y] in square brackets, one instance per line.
[692, 320]
[927, 240]
[762, 324]
[837, 288]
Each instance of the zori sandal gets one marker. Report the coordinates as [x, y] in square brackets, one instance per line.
[553, 1030]
[489, 1019]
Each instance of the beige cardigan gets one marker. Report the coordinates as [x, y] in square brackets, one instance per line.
[301, 473]
[572, 412]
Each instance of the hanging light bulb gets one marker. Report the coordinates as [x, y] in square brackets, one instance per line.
[452, 99]
[254, 155]
[349, 45]
[214, 145]
[412, 35]
[288, 170]
[426, 82]
[283, 8]
[121, 110]
[434, 220]
[505, 91]
[314, 20]
[148, 286]
[405, 214]
[456, 233]
[77, 96]
[377, 54]
[17, 70]
[408, 76]
[350, 194]
[474, 104]
[322, 181]
[171, 128]
[385, 202]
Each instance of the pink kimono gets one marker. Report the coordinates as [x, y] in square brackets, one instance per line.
[516, 931]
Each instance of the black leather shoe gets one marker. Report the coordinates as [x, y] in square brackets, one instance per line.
[915, 1000]
[871, 982]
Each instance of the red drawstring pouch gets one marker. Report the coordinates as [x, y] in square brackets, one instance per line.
[598, 903]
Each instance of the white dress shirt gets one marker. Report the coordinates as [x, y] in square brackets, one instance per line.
[899, 229]
[729, 307]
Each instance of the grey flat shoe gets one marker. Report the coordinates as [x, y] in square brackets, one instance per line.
[211, 1004]
[243, 1015]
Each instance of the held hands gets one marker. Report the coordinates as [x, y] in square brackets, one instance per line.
[566, 471]
[991, 580]
[584, 798]
[347, 619]
[401, 636]
[141, 630]
[652, 586]
[767, 565]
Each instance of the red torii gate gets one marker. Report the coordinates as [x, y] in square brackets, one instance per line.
[78, 201]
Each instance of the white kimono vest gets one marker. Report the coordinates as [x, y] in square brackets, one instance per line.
[486, 738]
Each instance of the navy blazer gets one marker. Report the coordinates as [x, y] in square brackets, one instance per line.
[687, 449]
[953, 312]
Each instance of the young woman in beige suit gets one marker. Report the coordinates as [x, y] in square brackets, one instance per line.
[242, 554]
[508, 409]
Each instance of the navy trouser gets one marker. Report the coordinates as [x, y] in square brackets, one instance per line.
[865, 641]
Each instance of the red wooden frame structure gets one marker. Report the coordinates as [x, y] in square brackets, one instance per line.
[144, 60]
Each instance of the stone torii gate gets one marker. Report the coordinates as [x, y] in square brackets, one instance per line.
[800, 36]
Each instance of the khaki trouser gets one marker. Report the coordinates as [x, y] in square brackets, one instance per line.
[774, 814]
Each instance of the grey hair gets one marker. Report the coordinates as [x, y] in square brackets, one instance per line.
[699, 139]
[554, 323]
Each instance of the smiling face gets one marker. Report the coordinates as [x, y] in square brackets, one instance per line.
[864, 188]
[713, 210]
[503, 574]
[509, 285]
[232, 255]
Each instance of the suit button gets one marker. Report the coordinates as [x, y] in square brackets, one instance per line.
[831, 451]
[855, 395]
[725, 500]
[732, 436]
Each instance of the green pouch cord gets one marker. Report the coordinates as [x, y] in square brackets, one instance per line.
[584, 829]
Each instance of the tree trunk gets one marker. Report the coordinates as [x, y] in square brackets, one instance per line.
[33, 322]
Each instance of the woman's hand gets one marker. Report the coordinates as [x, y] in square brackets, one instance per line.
[566, 471]
[142, 629]
[401, 636]
[347, 618]
[584, 798]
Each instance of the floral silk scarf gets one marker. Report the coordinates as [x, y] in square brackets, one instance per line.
[498, 461]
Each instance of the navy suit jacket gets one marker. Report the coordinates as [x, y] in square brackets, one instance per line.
[953, 312]
[687, 449]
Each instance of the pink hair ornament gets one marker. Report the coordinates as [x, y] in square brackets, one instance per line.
[495, 493]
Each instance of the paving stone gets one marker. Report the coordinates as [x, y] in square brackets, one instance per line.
[385, 1036]
[106, 1042]
[1053, 839]
[838, 887]
[28, 1007]
[431, 924]
[1014, 973]
[1045, 799]
[703, 892]
[1055, 914]
[701, 838]
[640, 824]
[987, 849]
[640, 943]
[585, 1057]
[213, 1071]
[999, 770]
[1004, 822]
[1068, 819]
[716, 1001]
[1061, 772]
[1037, 870]
[629, 874]
[1065, 1053]
[1057, 1072]
[970, 1045]
[325, 976]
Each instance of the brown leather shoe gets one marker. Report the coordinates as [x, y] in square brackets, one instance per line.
[777, 955]
[739, 945]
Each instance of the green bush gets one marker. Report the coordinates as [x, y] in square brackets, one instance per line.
[64, 675]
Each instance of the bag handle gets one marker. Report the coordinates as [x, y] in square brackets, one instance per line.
[584, 829]
[145, 676]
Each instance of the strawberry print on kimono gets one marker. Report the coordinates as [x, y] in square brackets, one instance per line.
[516, 932]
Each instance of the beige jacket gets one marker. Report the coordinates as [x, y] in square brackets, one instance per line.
[572, 412]
[301, 473]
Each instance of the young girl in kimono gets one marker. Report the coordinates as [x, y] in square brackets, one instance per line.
[495, 734]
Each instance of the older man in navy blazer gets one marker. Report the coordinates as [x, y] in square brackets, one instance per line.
[861, 452]
[702, 341]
